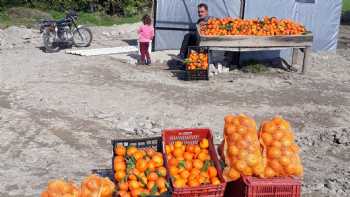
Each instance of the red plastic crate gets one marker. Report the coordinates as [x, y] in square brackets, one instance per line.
[193, 136]
[248, 186]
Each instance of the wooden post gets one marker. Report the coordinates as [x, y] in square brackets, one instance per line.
[306, 60]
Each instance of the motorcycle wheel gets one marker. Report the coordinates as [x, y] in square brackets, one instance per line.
[82, 37]
[49, 43]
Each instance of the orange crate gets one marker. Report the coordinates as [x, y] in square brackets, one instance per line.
[193, 136]
[248, 186]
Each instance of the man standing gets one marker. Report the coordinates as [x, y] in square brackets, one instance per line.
[191, 39]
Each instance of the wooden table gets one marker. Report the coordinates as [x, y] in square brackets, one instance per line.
[261, 43]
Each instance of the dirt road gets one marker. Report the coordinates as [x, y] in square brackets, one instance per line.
[58, 112]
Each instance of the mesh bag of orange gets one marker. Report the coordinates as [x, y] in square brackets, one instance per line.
[92, 186]
[241, 148]
[279, 149]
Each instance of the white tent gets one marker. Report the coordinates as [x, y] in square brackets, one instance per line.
[174, 18]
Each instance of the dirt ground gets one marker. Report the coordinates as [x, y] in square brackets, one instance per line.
[58, 112]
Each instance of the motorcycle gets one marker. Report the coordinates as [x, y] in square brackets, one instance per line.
[65, 31]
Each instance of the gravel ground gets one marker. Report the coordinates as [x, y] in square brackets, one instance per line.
[58, 112]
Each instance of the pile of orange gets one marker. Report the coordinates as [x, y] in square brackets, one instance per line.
[242, 152]
[281, 151]
[197, 60]
[269, 26]
[139, 172]
[190, 165]
[92, 186]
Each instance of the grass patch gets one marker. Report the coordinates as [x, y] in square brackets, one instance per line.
[253, 66]
[30, 17]
[346, 5]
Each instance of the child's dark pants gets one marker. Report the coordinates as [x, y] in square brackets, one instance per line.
[144, 51]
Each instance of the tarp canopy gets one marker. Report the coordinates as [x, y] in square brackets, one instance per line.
[175, 18]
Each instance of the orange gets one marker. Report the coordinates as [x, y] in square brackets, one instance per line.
[167, 149]
[150, 152]
[133, 184]
[269, 127]
[119, 175]
[233, 150]
[278, 134]
[123, 186]
[141, 165]
[135, 192]
[295, 148]
[120, 150]
[178, 152]
[235, 137]
[240, 165]
[197, 149]
[284, 160]
[242, 130]
[158, 160]
[242, 144]
[204, 143]
[188, 165]
[173, 162]
[124, 194]
[132, 177]
[273, 153]
[178, 144]
[188, 156]
[299, 170]
[185, 174]
[190, 148]
[203, 156]
[150, 184]
[151, 165]
[276, 166]
[276, 144]
[242, 154]
[119, 159]
[173, 170]
[212, 171]
[152, 176]
[138, 155]
[195, 171]
[291, 169]
[247, 171]
[252, 160]
[269, 172]
[215, 181]
[161, 183]
[234, 174]
[193, 182]
[179, 183]
[230, 129]
[197, 164]
[267, 138]
[131, 150]
[119, 166]
[229, 119]
[161, 171]
[258, 169]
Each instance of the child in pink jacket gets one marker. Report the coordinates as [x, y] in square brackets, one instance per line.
[146, 34]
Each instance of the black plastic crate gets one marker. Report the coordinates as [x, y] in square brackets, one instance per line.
[153, 142]
[197, 74]
[193, 75]
[106, 173]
